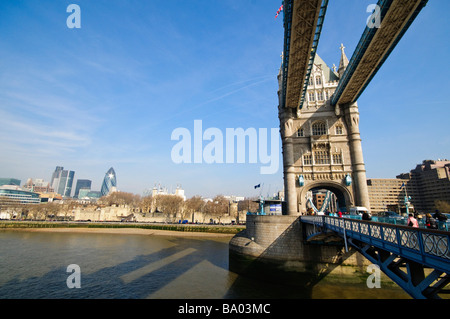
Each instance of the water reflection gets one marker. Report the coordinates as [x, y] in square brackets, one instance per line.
[33, 265]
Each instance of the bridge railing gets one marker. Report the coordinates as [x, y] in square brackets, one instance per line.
[425, 246]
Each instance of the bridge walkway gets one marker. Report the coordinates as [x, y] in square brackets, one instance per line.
[405, 254]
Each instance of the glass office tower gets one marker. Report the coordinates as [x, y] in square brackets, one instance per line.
[62, 181]
[109, 182]
[82, 183]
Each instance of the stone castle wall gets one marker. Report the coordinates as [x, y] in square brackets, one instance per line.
[120, 213]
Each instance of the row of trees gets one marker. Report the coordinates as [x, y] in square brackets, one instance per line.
[36, 211]
[175, 205]
[165, 204]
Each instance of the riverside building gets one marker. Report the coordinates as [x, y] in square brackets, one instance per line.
[424, 186]
[386, 194]
[429, 183]
[13, 194]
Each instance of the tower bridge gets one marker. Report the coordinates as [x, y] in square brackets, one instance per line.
[322, 149]
[318, 110]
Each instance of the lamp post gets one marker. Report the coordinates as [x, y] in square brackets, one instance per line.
[407, 198]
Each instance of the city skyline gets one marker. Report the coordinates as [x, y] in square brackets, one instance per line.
[111, 93]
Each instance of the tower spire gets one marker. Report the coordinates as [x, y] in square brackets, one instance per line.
[344, 61]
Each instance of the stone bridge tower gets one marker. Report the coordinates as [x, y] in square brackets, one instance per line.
[322, 144]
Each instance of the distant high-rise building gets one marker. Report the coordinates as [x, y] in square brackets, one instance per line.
[82, 183]
[56, 174]
[109, 182]
[62, 181]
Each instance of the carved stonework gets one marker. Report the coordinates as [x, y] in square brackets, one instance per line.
[319, 142]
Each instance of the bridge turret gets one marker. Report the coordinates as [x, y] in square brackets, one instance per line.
[344, 62]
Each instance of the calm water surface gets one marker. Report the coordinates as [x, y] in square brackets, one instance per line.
[34, 265]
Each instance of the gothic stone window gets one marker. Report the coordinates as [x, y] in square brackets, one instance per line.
[319, 96]
[312, 97]
[339, 130]
[307, 159]
[319, 128]
[318, 80]
[337, 158]
[300, 133]
[321, 157]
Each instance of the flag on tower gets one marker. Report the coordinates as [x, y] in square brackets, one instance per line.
[279, 11]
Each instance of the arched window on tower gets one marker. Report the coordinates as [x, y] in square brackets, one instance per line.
[319, 96]
[300, 133]
[339, 130]
[318, 80]
[312, 96]
[319, 128]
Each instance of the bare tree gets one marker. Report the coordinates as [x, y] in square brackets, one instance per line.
[169, 204]
[218, 207]
[51, 210]
[146, 204]
[120, 198]
[249, 204]
[35, 211]
[442, 205]
[193, 205]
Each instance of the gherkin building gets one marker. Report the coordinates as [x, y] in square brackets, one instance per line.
[109, 182]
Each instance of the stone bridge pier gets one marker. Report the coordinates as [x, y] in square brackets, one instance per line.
[276, 244]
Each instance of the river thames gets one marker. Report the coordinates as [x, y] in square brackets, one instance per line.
[34, 265]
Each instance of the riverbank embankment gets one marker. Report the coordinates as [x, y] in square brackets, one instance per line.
[185, 230]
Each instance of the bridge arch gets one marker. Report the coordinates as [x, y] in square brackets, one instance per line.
[344, 194]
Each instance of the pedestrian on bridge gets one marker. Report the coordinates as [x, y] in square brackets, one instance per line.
[439, 216]
[430, 222]
[412, 222]
[366, 216]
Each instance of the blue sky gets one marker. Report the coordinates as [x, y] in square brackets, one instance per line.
[111, 93]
